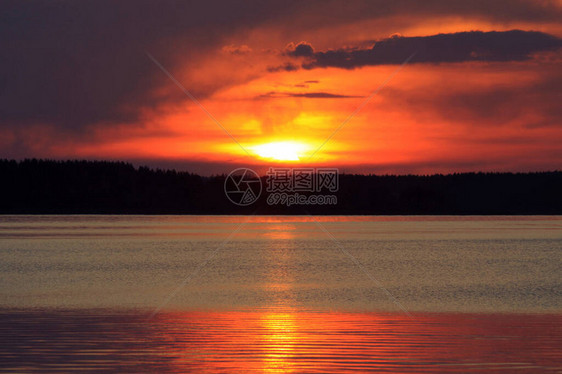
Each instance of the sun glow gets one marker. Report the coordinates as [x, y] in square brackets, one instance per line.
[281, 151]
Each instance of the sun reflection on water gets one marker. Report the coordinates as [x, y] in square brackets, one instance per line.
[279, 339]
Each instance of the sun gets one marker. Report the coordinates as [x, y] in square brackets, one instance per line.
[281, 151]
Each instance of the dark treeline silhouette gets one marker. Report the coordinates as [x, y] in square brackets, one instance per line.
[98, 187]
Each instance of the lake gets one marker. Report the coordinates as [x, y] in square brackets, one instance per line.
[281, 293]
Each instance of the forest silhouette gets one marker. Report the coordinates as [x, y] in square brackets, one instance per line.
[108, 187]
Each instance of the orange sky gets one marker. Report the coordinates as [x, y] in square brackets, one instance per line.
[433, 115]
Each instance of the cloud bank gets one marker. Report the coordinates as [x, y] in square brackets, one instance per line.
[492, 46]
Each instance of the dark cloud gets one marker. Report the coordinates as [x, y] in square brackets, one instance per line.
[322, 95]
[514, 45]
[302, 49]
[306, 84]
[285, 67]
[309, 95]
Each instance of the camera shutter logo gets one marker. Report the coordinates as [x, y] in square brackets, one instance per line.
[242, 186]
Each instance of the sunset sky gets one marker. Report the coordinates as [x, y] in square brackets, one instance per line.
[419, 86]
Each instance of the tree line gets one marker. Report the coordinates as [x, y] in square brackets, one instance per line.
[104, 187]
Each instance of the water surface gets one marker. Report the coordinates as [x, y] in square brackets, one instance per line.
[280, 294]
